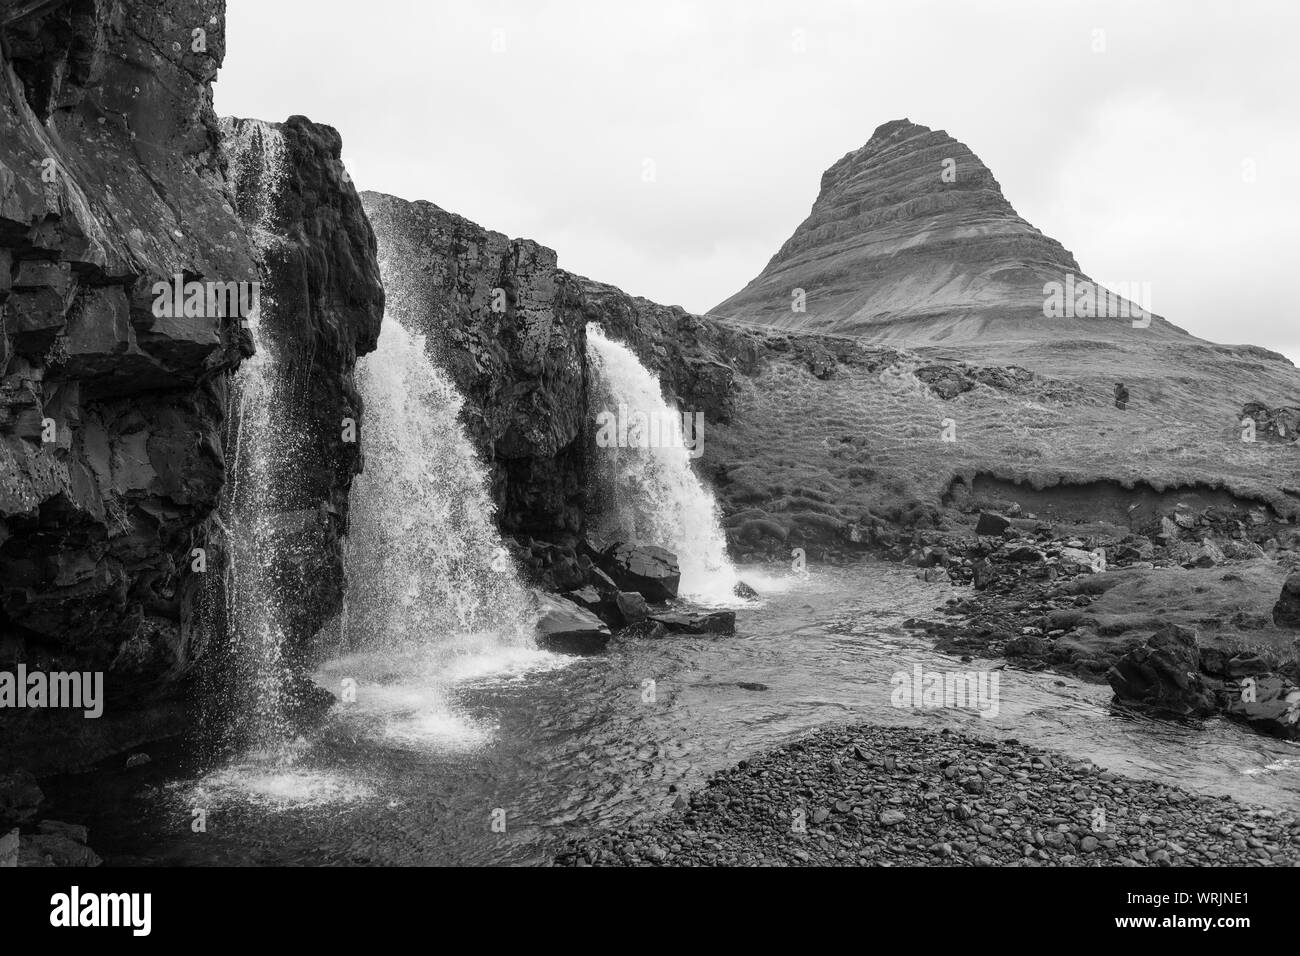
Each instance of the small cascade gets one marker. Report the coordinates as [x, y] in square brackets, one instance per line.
[423, 557]
[649, 490]
[261, 446]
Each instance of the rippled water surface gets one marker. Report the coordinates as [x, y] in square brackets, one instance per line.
[442, 742]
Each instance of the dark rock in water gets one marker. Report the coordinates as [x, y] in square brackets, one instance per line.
[743, 590]
[1163, 676]
[1268, 704]
[632, 606]
[1286, 612]
[697, 622]
[137, 760]
[19, 797]
[991, 523]
[646, 569]
[567, 628]
[749, 685]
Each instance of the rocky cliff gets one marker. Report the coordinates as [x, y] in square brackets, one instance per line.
[510, 327]
[911, 239]
[110, 456]
[115, 190]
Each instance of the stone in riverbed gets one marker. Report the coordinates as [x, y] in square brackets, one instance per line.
[565, 627]
[651, 571]
[1164, 675]
[632, 606]
[1268, 704]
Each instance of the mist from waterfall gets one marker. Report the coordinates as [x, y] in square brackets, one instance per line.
[652, 494]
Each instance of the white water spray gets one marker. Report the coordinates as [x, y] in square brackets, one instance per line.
[651, 494]
[262, 448]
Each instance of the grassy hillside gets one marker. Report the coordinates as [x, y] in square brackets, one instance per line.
[865, 438]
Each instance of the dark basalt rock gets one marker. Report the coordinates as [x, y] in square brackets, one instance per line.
[650, 571]
[110, 181]
[565, 627]
[1286, 612]
[1163, 676]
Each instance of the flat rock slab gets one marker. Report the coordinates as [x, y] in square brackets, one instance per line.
[569, 629]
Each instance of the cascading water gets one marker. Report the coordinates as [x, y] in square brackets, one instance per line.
[261, 448]
[650, 492]
[433, 597]
[423, 557]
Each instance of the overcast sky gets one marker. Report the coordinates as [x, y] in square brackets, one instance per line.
[1170, 156]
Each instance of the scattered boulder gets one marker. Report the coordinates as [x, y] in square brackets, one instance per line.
[1163, 676]
[651, 571]
[991, 523]
[565, 627]
[1286, 612]
[985, 574]
[632, 606]
[1268, 704]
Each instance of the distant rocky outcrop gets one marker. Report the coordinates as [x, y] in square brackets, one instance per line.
[110, 455]
[1281, 424]
[911, 239]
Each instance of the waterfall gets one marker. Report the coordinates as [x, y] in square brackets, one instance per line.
[650, 492]
[423, 558]
[433, 599]
[262, 444]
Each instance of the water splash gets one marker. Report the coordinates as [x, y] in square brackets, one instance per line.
[652, 494]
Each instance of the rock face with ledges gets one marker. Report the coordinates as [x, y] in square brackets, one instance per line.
[111, 180]
[509, 327]
[892, 250]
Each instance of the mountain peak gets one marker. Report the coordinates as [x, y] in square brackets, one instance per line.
[911, 239]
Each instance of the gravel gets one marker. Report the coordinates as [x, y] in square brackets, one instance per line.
[889, 796]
